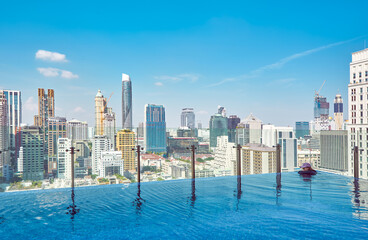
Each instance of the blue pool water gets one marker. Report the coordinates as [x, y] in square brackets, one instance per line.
[327, 206]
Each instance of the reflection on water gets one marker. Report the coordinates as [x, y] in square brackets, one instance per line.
[278, 187]
[360, 199]
[308, 179]
[238, 192]
[193, 196]
[72, 209]
[138, 202]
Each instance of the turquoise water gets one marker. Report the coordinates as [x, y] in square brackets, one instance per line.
[327, 206]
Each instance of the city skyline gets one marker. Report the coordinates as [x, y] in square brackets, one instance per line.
[208, 61]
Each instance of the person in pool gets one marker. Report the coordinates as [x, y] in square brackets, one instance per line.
[307, 169]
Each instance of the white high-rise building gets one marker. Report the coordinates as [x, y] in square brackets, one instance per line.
[358, 111]
[225, 156]
[109, 126]
[64, 168]
[20, 160]
[99, 144]
[272, 135]
[249, 130]
[111, 163]
[77, 130]
[187, 118]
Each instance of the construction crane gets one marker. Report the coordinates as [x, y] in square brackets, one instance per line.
[103, 111]
[317, 92]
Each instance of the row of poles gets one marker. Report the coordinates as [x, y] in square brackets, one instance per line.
[192, 148]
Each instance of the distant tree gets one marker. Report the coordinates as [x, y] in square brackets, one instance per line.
[160, 179]
[200, 160]
[93, 176]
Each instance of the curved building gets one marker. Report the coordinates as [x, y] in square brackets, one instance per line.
[126, 102]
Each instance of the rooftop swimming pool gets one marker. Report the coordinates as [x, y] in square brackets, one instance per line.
[326, 206]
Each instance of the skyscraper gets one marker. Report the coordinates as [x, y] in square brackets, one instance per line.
[14, 100]
[33, 152]
[232, 123]
[99, 145]
[358, 115]
[126, 103]
[188, 118]
[338, 112]
[100, 110]
[218, 127]
[155, 128]
[125, 142]
[109, 127]
[321, 107]
[46, 108]
[4, 132]
[56, 130]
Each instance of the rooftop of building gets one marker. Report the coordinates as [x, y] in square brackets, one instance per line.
[259, 147]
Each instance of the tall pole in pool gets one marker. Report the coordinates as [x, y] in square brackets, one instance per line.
[139, 149]
[192, 149]
[278, 158]
[72, 151]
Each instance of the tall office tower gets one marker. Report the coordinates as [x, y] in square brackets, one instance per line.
[4, 133]
[64, 159]
[100, 110]
[109, 127]
[358, 112]
[232, 123]
[334, 150]
[126, 104]
[125, 142]
[155, 128]
[188, 118]
[301, 129]
[56, 130]
[221, 110]
[338, 112]
[83, 155]
[257, 159]
[249, 130]
[77, 130]
[99, 144]
[33, 152]
[218, 127]
[14, 100]
[46, 107]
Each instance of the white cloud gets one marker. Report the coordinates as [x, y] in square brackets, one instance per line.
[68, 74]
[50, 56]
[159, 84]
[280, 63]
[55, 72]
[177, 78]
[30, 105]
[79, 110]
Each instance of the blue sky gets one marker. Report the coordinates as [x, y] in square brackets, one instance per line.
[264, 57]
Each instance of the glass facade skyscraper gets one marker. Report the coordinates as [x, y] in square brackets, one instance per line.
[155, 128]
[218, 127]
[126, 103]
[301, 129]
[232, 123]
[321, 107]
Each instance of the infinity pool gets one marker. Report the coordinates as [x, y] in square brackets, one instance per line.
[327, 206]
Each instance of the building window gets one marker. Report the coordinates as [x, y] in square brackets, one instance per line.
[360, 74]
[354, 75]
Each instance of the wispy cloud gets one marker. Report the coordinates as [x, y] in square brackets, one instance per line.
[79, 110]
[30, 105]
[159, 84]
[286, 82]
[55, 72]
[280, 63]
[50, 56]
[178, 78]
